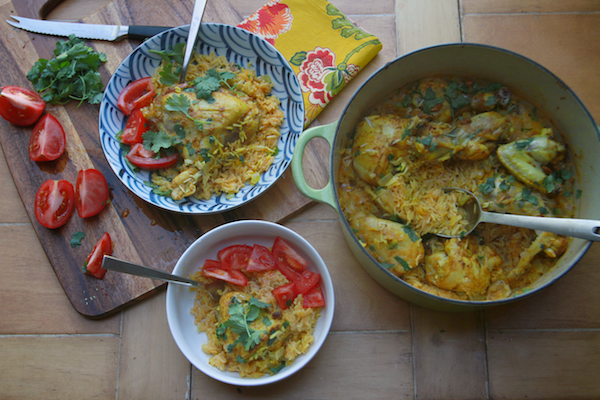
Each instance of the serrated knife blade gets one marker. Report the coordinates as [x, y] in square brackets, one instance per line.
[86, 31]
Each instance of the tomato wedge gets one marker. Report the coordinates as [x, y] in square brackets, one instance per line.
[314, 298]
[47, 141]
[235, 256]
[93, 264]
[144, 158]
[54, 202]
[212, 264]
[20, 106]
[307, 281]
[137, 94]
[91, 192]
[231, 276]
[286, 256]
[135, 127]
[285, 294]
[261, 259]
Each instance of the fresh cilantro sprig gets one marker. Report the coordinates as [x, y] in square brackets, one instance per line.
[181, 103]
[174, 54]
[241, 315]
[205, 85]
[157, 141]
[72, 74]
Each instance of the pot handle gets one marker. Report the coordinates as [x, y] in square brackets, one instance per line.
[326, 194]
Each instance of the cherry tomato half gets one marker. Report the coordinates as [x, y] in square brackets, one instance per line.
[231, 276]
[20, 106]
[261, 259]
[288, 261]
[235, 256]
[47, 141]
[285, 294]
[54, 202]
[135, 127]
[144, 158]
[137, 94]
[93, 264]
[91, 192]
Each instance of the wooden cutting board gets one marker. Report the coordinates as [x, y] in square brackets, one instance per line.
[141, 233]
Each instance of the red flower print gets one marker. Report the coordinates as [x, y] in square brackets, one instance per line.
[270, 21]
[321, 77]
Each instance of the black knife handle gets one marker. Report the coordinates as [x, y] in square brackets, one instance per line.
[140, 32]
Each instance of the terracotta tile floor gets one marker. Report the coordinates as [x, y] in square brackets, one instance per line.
[546, 347]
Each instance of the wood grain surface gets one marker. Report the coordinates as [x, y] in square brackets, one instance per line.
[141, 233]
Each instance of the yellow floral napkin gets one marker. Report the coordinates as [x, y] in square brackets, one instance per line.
[323, 46]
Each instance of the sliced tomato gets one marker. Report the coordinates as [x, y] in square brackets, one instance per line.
[47, 141]
[307, 281]
[135, 127]
[285, 255]
[285, 294]
[137, 94]
[235, 256]
[54, 202]
[211, 264]
[20, 106]
[93, 264]
[91, 192]
[231, 276]
[314, 298]
[144, 158]
[261, 259]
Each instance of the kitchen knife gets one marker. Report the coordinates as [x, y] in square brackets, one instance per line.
[86, 31]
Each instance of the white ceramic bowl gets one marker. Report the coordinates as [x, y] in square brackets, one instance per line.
[238, 46]
[180, 299]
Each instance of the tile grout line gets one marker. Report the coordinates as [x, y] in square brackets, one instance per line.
[414, 359]
[57, 335]
[512, 14]
[487, 356]
[119, 355]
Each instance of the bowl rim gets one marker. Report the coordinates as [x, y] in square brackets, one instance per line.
[455, 304]
[260, 50]
[229, 232]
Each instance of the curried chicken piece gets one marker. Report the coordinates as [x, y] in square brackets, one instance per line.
[463, 266]
[469, 139]
[525, 159]
[550, 244]
[206, 124]
[378, 141]
[504, 194]
[397, 247]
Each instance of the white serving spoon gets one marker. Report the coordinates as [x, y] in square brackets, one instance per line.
[587, 229]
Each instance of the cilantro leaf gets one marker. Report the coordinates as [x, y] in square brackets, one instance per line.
[76, 239]
[156, 141]
[179, 102]
[168, 75]
[172, 55]
[205, 85]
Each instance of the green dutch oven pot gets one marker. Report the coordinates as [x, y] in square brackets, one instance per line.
[525, 78]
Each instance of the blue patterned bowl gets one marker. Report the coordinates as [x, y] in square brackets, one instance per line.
[238, 46]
